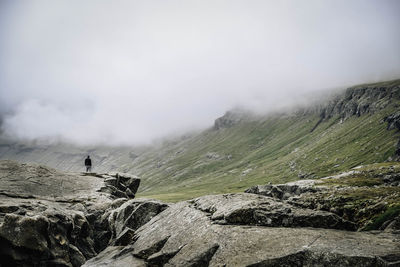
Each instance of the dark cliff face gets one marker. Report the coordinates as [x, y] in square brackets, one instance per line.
[359, 100]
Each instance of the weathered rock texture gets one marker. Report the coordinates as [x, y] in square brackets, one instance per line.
[357, 101]
[117, 225]
[41, 232]
[362, 99]
[30, 180]
[284, 191]
[271, 225]
[192, 234]
[119, 184]
[372, 202]
[48, 218]
[250, 209]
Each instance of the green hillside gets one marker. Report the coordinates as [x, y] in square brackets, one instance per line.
[311, 143]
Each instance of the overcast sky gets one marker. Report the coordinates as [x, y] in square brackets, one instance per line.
[126, 72]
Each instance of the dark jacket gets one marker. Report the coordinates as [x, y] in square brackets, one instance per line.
[88, 162]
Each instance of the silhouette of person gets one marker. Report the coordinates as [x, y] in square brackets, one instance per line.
[88, 164]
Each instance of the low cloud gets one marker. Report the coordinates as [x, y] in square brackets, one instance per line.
[128, 72]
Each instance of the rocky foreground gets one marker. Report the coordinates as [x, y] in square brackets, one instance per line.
[49, 218]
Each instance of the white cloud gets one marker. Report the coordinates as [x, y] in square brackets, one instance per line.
[132, 71]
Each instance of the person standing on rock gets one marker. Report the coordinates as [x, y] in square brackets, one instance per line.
[88, 164]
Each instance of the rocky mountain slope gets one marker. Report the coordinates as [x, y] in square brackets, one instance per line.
[359, 125]
[304, 223]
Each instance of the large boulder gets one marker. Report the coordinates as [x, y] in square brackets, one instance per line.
[118, 185]
[116, 226]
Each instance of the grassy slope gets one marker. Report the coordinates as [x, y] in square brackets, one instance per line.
[276, 149]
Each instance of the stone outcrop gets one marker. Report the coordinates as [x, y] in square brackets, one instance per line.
[393, 121]
[30, 180]
[49, 218]
[366, 207]
[47, 233]
[190, 233]
[360, 100]
[119, 184]
[41, 232]
[250, 209]
[284, 191]
[116, 225]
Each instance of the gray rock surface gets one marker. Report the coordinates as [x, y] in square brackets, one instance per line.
[49, 218]
[31, 180]
[250, 209]
[393, 121]
[121, 222]
[45, 232]
[116, 256]
[361, 99]
[367, 207]
[284, 191]
[187, 235]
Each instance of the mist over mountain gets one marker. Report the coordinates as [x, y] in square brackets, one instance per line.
[123, 72]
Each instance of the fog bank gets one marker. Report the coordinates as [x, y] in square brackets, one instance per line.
[128, 72]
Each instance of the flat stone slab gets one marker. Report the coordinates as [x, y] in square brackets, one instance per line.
[30, 180]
